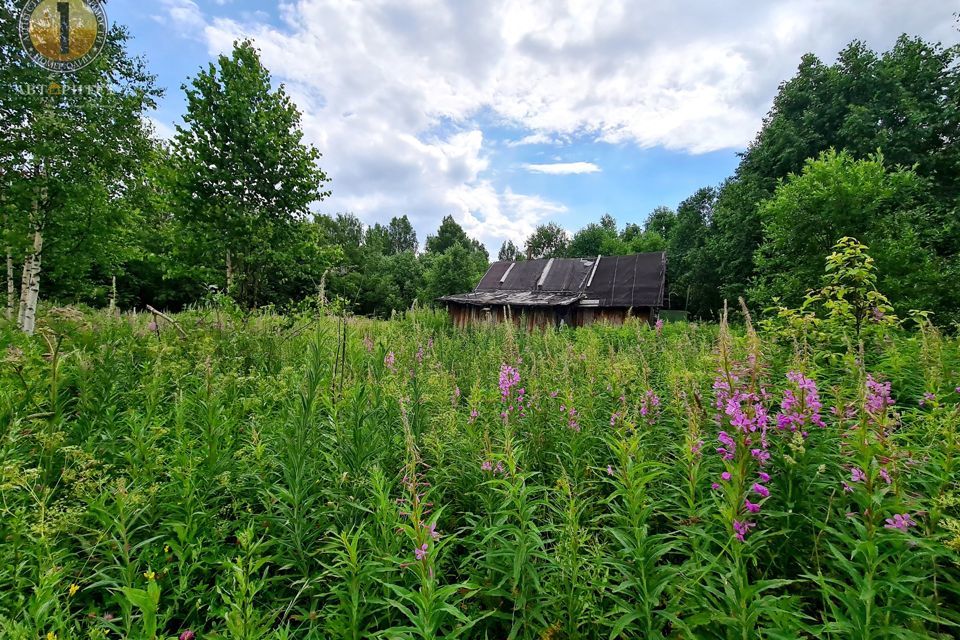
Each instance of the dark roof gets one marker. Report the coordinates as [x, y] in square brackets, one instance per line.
[617, 281]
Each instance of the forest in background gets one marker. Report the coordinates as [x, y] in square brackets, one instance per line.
[98, 210]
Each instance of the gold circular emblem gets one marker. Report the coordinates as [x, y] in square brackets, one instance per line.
[63, 35]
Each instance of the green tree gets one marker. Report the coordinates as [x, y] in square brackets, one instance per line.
[548, 241]
[661, 221]
[594, 240]
[449, 234]
[690, 270]
[456, 270]
[244, 175]
[509, 252]
[837, 196]
[401, 235]
[68, 160]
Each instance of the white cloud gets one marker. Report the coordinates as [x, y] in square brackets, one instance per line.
[563, 168]
[161, 129]
[184, 15]
[392, 90]
[533, 138]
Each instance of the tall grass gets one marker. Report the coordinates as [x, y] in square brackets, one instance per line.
[319, 477]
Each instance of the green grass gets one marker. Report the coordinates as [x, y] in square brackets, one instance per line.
[275, 477]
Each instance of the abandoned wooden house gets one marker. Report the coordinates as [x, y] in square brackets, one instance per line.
[565, 291]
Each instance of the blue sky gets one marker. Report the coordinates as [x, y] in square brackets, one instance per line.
[511, 113]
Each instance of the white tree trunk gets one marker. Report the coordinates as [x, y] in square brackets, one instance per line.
[113, 296]
[33, 291]
[24, 288]
[11, 292]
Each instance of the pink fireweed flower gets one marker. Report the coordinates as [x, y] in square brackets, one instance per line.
[846, 488]
[885, 475]
[878, 396]
[486, 465]
[659, 326]
[725, 476]
[800, 408]
[901, 521]
[760, 490]
[740, 529]
[752, 507]
[729, 447]
[764, 477]
[761, 455]
[187, 635]
[390, 360]
[714, 486]
[473, 415]
[509, 378]
[857, 475]
[695, 447]
[421, 551]
[928, 398]
[609, 470]
[649, 406]
[419, 355]
[499, 468]
[433, 531]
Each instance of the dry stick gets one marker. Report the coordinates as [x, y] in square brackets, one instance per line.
[168, 319]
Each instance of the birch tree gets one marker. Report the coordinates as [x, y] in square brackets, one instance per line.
[71, 144]
[244, 175]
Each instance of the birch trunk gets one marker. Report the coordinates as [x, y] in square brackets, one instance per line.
[33, 292]
[113, 296]
[229, 271]
[11, 292]
[24, 288]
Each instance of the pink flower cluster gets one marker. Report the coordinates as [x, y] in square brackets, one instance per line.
[901, 521]
[487, 465]
[390, 361]
[571, 415]
[800, 407]
[650, 406]
[745, 413]
[509, 378]
[878, 396]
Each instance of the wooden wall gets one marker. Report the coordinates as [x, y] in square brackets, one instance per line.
[541, 317]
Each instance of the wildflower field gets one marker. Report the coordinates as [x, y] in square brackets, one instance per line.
[311, 476]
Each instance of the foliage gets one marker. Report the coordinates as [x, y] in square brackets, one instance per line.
[243, 176]
[265, 476]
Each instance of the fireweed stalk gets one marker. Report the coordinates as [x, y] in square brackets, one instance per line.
[743, 422]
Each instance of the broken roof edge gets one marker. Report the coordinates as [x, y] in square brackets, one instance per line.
[513, 298]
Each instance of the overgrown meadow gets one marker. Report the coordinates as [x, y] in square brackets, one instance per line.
[317, 477]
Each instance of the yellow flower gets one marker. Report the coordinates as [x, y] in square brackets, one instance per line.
[149, 575]
[73, 590]
[51, 635]
[166, 548]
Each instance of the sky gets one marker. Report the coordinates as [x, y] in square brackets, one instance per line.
[511, 113]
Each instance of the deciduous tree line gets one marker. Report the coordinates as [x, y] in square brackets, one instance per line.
[866, 147]
[96, 209]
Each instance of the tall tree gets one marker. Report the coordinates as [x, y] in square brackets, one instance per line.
[68, 158]
[401, 236]
[244, 174]
[689, 267]
[837, 196]
[548, 241]
[449, 234]
[509, 252]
